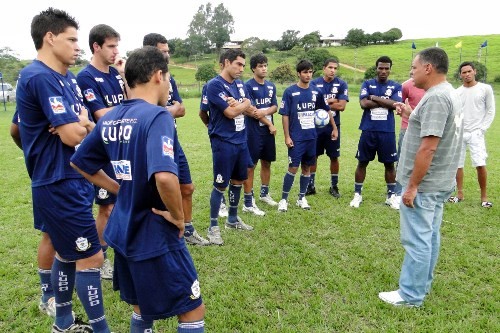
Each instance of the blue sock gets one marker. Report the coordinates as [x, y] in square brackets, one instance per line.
[335, 179]
[89, 291]
[264, 190]
[45, 284]
[312, 179]
[248, 199]
[188, 229]
[216, 198]
[139, 325]
[234, 200]
[287, 184]
[358, 187]
[191, 327]
[63, 279]
[304, 181]
[391, 189]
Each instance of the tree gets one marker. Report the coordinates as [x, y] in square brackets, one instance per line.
[205, 72]
[10, 65]
[371, 73]
[311, 40]
[198, 30]
[283, 74]
[392, 35]
[81, 61]
[252, 45]
[220, 26]
[355, 37]
[288, 40]
[317, 56]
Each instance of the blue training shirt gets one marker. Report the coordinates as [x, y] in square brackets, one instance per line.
[379, 119]
[263, 96]
[139, 139]
[46, 98]
[337, 89]
[218, 91]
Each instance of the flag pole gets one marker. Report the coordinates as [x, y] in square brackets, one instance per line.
[485, 68]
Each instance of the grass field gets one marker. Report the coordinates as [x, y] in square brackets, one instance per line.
[300, 271]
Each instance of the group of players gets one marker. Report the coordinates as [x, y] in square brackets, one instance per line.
[138, 148]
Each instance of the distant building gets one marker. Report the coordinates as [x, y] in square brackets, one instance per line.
[331, 41]
[234, 44]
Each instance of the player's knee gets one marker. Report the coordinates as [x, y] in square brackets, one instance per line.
[187, 189]
[105, 210]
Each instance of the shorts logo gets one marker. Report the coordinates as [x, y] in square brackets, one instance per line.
[195, 289]
[167, 146]
[82, 244]
[219, 179]
[103, 194]
[56, 103]
[89, 95]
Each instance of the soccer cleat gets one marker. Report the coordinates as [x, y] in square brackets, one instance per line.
[254, 210]
[239, 225]
[302, 203]
[268, 200]
[77, 327]
[311, 189]
[223, 212]
[486, 204]
[214, 236]
[282, 205]
[334, 191]
[394, 298]
[195, 239]
[49, 307]
[356, 201]
[107, 270]
[393, 201]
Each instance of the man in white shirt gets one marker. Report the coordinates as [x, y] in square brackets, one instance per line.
[479, 110]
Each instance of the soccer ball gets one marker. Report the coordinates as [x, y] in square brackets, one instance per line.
[321, 118]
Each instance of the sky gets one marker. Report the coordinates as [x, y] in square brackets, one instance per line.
[265, 19]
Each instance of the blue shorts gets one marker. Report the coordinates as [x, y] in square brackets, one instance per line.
[262, 147]
[184, 172]
[230, 161]
[324, 142]
[302, 152]
[163, 286]
[381, 143]
[103, 197]
[65, 211]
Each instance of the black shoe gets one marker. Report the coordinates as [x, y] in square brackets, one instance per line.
[334, 191]
[311, 190]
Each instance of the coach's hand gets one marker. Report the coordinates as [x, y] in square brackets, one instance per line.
[408, 197]
[167, 216]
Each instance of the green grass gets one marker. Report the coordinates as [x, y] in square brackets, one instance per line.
[316, 271]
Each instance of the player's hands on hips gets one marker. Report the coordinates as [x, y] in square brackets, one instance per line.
[167, 216]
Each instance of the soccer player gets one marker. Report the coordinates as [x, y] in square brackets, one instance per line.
[46, 252]
[204, 116]
[479, 110]
[153, 268]
[227, 102]
[48, 97]
[176, 107]
[260, 133]
[336, 95]
[102, 88]
[377, 98]
[426, 170]
[297, 108]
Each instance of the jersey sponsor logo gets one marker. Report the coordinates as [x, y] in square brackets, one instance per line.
[82, 244]
[195, 290]
[205, 99]
[306, 106]
[167, 146]
[89, 95]
[110, 133]
[271, 92]
[113, 99]
[56, 104]
[103, 194]
[123, 169]
[263, 101]
[297, 93]
[99, 79]
[255, 88]
[223, 96]
[242, 92]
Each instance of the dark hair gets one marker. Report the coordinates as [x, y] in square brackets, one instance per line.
[99, 33]
[384, 59]
[142, 64]
[304, 65]
[329, 60]
[153, 39]
[435, 56]
[466, 63]
[50, 20]
[257, 59]
[231, 55]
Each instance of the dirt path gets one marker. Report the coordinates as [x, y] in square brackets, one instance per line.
[352, 68]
